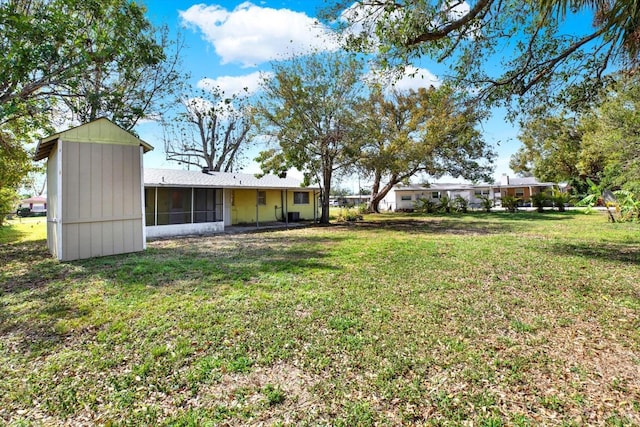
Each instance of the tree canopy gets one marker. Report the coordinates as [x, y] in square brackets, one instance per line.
[600, 145]
[505, 49]
[93, 57]
[80, 60]
[308, 108]
[429, 131]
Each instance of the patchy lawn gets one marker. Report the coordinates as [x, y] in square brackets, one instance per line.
[481, 319]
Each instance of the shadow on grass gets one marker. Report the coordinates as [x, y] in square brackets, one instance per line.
[9, 235]
[472, 223]
[46, 289]
[626, 254]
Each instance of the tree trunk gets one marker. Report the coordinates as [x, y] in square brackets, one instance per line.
[375, 200]
[326, 189]
[377, 197]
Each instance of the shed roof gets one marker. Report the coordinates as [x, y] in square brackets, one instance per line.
[183, 178]
[99, 131]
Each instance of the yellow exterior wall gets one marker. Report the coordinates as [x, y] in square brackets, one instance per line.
[243, 207]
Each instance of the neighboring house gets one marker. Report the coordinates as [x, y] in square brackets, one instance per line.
[404, 197]
[37, 205]
[179, 202]
[522, 188]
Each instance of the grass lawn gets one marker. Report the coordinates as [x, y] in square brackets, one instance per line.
[479, 319]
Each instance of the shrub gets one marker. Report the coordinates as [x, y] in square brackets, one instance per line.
[445, 204]
[486, 203]
[460, 204]
[510, 203]
[425, 206]
[349, 215]
[560, 198]
[539, 199]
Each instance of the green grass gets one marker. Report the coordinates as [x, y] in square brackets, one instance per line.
[19, 229]
[480, 319]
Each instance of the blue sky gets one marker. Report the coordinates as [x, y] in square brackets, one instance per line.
[229, 42]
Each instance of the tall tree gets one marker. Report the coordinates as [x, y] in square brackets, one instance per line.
[428, 131]
[550, 148]
[15, 164]
[211, 132]
[308, 109]
[612, 136]
[97, 57]
[532, 54]
[598, 147]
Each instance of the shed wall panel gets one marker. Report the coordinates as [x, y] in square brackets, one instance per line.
[107, 177]
[52, 201]
[95, 205]
[101, 190]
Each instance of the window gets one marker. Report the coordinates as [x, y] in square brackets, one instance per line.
[519, 192]
[479, 193]
[435, 194]
[262, 197]
[301, 198]
[405, 197]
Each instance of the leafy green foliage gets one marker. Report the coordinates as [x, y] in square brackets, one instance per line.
[308, 109]
[628, 206]
[460, 204]
[510, 203]
[611, 138]
[550, 147]
[560, 198]
[445, 203]
[486, 202]
[528, 42]
[432, 131]
[425, 205]
[538, 200]
[95, 58]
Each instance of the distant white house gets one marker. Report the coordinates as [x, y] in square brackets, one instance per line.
[404, 197]
[37, 205]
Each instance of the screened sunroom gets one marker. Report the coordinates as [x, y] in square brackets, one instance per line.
[188, 210]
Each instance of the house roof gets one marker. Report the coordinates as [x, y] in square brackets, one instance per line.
[523, 182]
[99, 131]
[35, 199]
[435, 187]
[513, 182]
[185, 178]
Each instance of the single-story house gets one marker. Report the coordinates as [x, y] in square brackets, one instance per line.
[403, 197]
[178, 202]
[521, 188]
[101, 200]
[37, 205]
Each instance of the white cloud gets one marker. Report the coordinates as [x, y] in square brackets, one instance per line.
[235, 85]
[457, 9]
[412, 78]
[251, 35]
